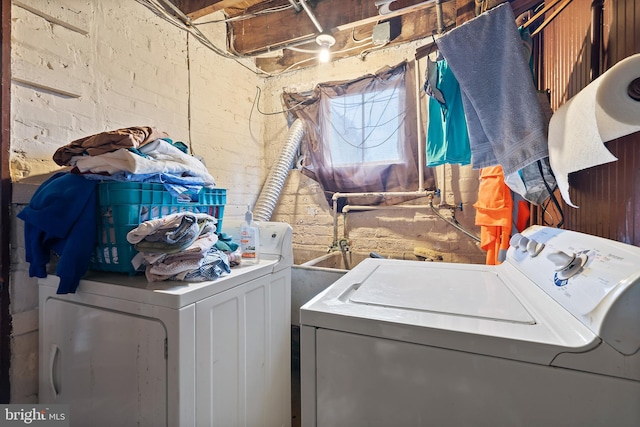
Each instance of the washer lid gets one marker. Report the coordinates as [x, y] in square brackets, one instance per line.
[490, 310]
[455, 291]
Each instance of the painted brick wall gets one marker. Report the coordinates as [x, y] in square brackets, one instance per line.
[80, 67]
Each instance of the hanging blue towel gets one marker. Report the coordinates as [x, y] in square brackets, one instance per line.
[61, 217]
[505, 121]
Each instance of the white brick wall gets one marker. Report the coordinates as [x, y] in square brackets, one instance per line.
[80, 67]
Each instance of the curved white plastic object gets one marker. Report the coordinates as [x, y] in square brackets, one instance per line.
[561, 260]
[523, 243]
[534, 248]
[53, 358]
[574, 267]
[515, 240]
[384, 9]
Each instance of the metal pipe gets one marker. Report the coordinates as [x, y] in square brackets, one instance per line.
[422, 193]
[453, 222]
[313, 18]
[357, 208]
[336, 196]
[596, 38]
[334, 208]
[421, 158]
[439, 16]
[295, 5]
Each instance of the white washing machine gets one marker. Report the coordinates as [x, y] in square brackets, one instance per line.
[125, 352]
[551, 337]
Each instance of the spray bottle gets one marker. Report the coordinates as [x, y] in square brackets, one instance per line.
[249, 239]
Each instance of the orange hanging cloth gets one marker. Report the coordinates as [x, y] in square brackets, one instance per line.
[494, 212]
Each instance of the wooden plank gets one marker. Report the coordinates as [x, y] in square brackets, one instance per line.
[278, 29]
[55, 81]
[63, 13]
[465, 11]
[395, 12]
[197, 8]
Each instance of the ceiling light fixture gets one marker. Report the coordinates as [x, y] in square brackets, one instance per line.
[325, 41]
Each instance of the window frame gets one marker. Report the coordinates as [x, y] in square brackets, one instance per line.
[375, 177]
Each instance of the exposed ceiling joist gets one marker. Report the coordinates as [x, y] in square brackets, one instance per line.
[278, 32]
[408, 26]
[197, 8]
[252, 35]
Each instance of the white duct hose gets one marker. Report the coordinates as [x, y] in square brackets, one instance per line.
[270, 193]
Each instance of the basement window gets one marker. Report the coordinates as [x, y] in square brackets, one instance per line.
[364, 128]
[361, 134]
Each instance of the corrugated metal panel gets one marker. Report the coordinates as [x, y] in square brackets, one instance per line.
[607, 194]
[622, 20]
[567, 51]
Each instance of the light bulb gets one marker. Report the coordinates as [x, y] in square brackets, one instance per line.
[325, 41]
[324, 54]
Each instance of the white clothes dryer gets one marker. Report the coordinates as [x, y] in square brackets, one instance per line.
[550, 337]
[125, 352]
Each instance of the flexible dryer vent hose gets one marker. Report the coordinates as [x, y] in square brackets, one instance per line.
[270, 193]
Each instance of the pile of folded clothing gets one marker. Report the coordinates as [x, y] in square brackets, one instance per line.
[180, 246]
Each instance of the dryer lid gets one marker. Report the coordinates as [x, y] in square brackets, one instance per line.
[478, 293]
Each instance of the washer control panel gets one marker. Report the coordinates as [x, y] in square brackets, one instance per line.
[596, 279]
[525, 244]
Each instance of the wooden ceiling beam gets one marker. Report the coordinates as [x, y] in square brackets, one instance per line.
[197, 8]
[270, 31]
[466, 10]
[413, 26]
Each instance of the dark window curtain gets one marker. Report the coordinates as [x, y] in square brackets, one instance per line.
[362, 176]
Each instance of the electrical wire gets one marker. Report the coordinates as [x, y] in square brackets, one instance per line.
[187, 26]
[256, 100]
[336, 52]
[365, 52]
[297, 49]
[189, 95]
[552, 196]
[292, 66]
[353, 37]
[255, 106]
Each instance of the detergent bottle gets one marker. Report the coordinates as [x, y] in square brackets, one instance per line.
[249, 239]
